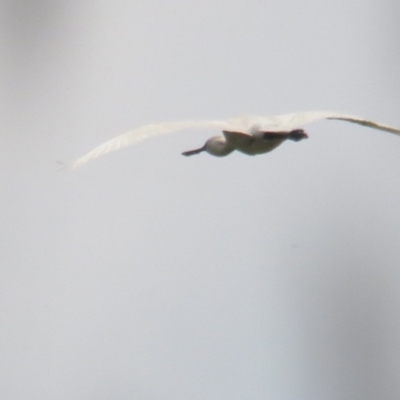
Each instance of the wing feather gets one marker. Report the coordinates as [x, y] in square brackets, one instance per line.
[296, 120]
[244, 124]
[140, 134]
[366, 122]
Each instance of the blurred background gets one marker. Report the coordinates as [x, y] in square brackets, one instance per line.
[148, 275]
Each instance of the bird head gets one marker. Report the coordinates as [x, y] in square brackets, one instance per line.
[218, 146]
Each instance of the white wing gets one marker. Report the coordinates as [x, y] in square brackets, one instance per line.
[365, 122]
[245, 124]
[142, 133]
[296, 120]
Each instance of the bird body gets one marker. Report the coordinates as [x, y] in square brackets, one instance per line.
[252, 144]
[250, 135]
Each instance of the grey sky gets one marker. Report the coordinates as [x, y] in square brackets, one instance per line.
[147, 275]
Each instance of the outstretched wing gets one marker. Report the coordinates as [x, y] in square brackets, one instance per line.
[142, 133]
[296, 120]
[366, 122]
[245, 124]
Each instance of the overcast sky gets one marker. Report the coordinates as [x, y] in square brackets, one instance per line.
[147, 275]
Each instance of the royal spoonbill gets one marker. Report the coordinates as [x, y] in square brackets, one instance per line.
[248, 134]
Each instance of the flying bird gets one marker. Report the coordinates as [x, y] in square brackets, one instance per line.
[248, 134]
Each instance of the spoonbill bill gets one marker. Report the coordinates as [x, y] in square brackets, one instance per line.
[250, 135]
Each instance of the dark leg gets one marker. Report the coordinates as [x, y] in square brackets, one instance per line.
[297, 135]
[275, 135]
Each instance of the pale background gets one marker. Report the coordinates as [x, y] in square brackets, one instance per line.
[148, 275]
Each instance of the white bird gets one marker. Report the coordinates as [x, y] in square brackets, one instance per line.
[248, 134]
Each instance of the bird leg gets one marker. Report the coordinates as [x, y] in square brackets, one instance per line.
[297, 135]
[274, 135]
